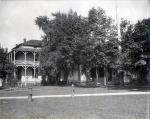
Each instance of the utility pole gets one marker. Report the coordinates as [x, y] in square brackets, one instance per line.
[118, 26]
[119, 38]
[117, 21]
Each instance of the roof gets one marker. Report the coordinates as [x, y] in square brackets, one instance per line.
[34, 43]
[27, 49]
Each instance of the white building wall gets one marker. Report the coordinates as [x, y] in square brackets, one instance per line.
[83, 78]
[74, 77]
[29, 77]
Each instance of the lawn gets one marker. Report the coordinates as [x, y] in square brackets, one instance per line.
[103, 107]
[56, 90]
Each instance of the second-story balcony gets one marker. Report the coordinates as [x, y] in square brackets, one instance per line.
[27, 63]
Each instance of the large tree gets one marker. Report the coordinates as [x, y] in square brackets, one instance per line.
[104, 37]
[3, 61]
[6, 68]
[72, 41]
[65, 41]
[135, 43]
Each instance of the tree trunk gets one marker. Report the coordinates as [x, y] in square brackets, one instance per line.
[87, 74]
[79, 73]
[66, 77]
[122, 76]
[105, 76]
[96, 76]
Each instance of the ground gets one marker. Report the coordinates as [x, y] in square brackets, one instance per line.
[90, 107]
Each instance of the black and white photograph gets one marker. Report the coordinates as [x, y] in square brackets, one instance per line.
[74, 59]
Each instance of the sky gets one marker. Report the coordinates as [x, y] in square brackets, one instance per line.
[17, 17]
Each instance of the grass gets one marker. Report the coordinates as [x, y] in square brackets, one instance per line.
[120, 107]
[112, 107]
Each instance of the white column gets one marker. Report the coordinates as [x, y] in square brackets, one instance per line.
[34, 68]
[14, 57]
[105, 82]
[8, 57]
[14, 64]
[25, 53]
[11, 57]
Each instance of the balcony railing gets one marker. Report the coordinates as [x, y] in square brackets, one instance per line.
[29, 63]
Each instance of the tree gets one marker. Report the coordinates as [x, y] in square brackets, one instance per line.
[65, 40]
[104, 37]
[6, 69]
[131, 48]
[134, 44]
[72, 41]
[3, 61]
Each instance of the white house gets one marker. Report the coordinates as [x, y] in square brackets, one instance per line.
[25, 56]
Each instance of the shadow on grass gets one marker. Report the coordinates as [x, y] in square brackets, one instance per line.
[130, 87]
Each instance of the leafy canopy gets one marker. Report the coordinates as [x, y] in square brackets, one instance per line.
[71, 40]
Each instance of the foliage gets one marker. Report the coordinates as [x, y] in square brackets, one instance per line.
[71, 40]
[2, 61]
[134, 41]
[64, 40]
[5, 67]
[104, 37]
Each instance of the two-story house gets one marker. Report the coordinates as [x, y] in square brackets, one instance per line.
[25, 57]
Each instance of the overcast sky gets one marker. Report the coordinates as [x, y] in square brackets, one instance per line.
[17, 17]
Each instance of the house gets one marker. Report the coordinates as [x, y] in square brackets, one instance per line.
[146, 58]
[25, 57]
[148, 69]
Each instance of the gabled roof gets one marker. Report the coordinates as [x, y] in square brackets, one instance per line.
[34, 43]
[27, 49]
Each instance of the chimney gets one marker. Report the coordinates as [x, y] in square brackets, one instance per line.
[24, 40]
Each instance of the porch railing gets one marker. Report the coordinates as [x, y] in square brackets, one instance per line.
[22, 62]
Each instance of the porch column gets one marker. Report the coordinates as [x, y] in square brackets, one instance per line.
[25, 75]
[11, 57]
[34, 68]
[14, 64]
[8, 57]
[14, 57]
